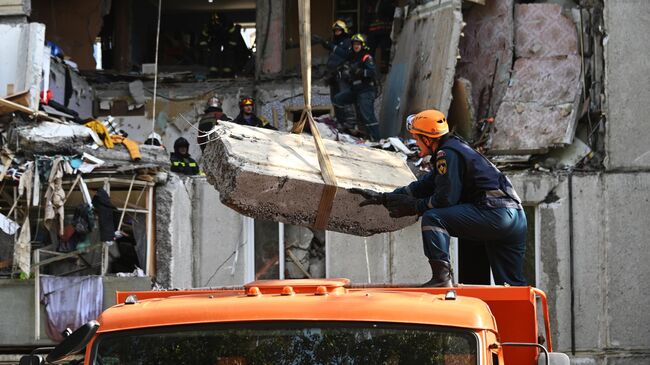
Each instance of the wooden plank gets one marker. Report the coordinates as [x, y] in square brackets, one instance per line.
[7, 106]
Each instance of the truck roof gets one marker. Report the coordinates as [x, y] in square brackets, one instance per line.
[336, 305]
[512, 309]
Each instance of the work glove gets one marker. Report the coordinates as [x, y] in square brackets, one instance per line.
[371, 197]
[401, 205]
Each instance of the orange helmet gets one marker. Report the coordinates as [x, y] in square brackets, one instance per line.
[431, 123]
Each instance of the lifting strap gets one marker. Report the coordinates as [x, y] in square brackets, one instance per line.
[329, 190]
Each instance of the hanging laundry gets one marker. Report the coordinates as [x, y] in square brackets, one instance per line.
[7, 225]
[23, 248]
[6, 157]
[131, 146]
[104, 209]
[99, 128]
[55, 197]
[26, 182]
[70, 302]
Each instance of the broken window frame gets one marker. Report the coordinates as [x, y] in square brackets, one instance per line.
[250, 272]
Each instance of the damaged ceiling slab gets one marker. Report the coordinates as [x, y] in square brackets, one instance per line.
[541, 106]
[276, 176]
[423, 69]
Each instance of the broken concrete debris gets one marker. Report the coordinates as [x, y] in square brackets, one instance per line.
[276, 176]
[423, 69]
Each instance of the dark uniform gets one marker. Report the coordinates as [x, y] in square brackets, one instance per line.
[467, 197]
[361, 73]
[211, 45]
[207, 122]
[183, 163]
[235, 52]
[340, 49]
[381, 24]
[253, 120]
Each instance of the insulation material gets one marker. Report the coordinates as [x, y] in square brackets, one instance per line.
[276, 176]
[422, 71]
[541, 106]
[541, 30]
[487, 45]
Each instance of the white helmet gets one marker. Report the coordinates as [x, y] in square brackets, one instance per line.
[154, 139]
[214, 102]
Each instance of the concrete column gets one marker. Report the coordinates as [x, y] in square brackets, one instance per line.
[626, 84]
[174, 241]
[270, 37]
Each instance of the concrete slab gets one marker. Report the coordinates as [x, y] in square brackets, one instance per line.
[589, 276]
[626, 262]
[541, 107]
[423, 68]
[488, 42]
[541, 30]
[276, 176]
[626, 84]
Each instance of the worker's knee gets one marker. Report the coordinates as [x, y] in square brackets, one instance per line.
[430, 218]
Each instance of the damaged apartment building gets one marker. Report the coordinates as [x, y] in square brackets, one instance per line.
[554, 93]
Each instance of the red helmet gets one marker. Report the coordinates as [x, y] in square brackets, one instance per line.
[246, 101]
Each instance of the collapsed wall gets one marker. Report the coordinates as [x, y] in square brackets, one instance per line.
[276, 176]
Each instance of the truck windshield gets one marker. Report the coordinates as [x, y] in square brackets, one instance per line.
[293, 343]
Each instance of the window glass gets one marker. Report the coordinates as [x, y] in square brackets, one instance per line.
[287, 343]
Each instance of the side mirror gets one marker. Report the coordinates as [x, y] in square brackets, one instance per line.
[554, 358]
[74, 343]
[32, 360]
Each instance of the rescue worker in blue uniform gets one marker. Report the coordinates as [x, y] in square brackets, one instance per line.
[339, 48]
[360, 72]
[465, 196]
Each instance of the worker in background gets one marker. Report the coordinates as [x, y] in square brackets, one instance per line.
[339, 48]
[235, 52]
[212, 114]
[465, 196]
[211, 44]
[247, 116]
[153, 139]
[181, 160]
[359, 71]
[381, 15]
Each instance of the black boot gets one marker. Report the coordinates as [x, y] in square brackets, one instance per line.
[441, 275]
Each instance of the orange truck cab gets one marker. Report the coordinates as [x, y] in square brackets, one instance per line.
[317, 321]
